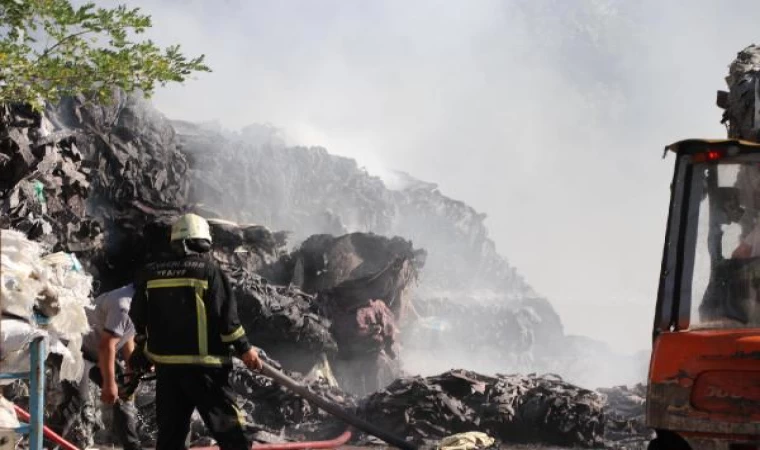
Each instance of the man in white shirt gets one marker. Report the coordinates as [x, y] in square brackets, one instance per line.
[111, 331]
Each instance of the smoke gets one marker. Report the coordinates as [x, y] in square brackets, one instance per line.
[549, 116]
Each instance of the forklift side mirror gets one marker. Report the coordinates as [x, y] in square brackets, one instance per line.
[722, 99]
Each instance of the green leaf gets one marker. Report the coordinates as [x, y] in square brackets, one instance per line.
[88, 50]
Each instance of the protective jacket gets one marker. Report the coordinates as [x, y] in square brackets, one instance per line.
[186, 309]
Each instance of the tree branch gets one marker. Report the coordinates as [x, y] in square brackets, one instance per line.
[50, 49]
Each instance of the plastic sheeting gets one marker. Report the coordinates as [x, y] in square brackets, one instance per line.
[73, 288]
[8, 418]
[16, 336]
[22, 273]
[53, 284]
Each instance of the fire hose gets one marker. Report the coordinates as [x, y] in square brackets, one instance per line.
[291, 384]
[47, 432]
[303, 445]
[285, 381]
[332, 443]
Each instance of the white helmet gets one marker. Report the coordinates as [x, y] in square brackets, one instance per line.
[190, 226]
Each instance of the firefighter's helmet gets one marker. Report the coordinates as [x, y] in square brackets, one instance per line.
[190, 227]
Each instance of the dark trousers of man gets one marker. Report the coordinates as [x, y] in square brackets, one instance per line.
[182, 389]
[124, 413]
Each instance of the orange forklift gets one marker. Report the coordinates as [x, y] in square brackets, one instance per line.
[704, 373]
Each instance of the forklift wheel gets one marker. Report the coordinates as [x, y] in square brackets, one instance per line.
[668, 441]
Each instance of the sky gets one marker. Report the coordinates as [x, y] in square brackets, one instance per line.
[550, 116]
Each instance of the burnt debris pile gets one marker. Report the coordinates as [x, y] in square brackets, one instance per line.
[364, 282]
[284, 320]
[308, 191]
[86, 179]
[625, 412]
[325, 285]
[510, 408]
[312, 193]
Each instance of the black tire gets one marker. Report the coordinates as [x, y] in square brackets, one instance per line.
[656, 444]
[668, 441]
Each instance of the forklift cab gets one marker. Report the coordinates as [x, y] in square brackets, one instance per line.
[704, 374]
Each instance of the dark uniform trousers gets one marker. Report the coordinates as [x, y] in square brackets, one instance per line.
[182, 388]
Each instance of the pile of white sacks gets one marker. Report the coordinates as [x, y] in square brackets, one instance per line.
[53, 284]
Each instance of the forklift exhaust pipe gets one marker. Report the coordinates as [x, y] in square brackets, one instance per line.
[291, 384]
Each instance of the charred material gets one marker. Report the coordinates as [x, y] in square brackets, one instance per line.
[245, 248]
[286, 322]
[364, 282]
[625, 412]
[309, 191]
[357, 267]
[87, 178]
[511, 408]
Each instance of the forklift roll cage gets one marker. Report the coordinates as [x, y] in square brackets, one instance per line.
[704, 384]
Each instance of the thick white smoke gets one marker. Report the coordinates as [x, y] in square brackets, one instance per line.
[549, 116]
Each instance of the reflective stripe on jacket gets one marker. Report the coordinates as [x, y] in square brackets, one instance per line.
[187, 310]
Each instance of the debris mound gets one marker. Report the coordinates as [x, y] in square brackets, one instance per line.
[309, 191]
[291, 325]
[103, 183]
[625, 413]
[279, 411]
[363, 282]
[350, 269]
[86, 179]
[245, 249]
[513, 408]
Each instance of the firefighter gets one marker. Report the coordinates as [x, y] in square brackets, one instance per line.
[184, 310]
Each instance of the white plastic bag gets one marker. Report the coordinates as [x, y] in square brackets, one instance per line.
[73, 364]
[27, 277]
[65, 276]
[16, 335]
[20, 273]
[8, 418]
